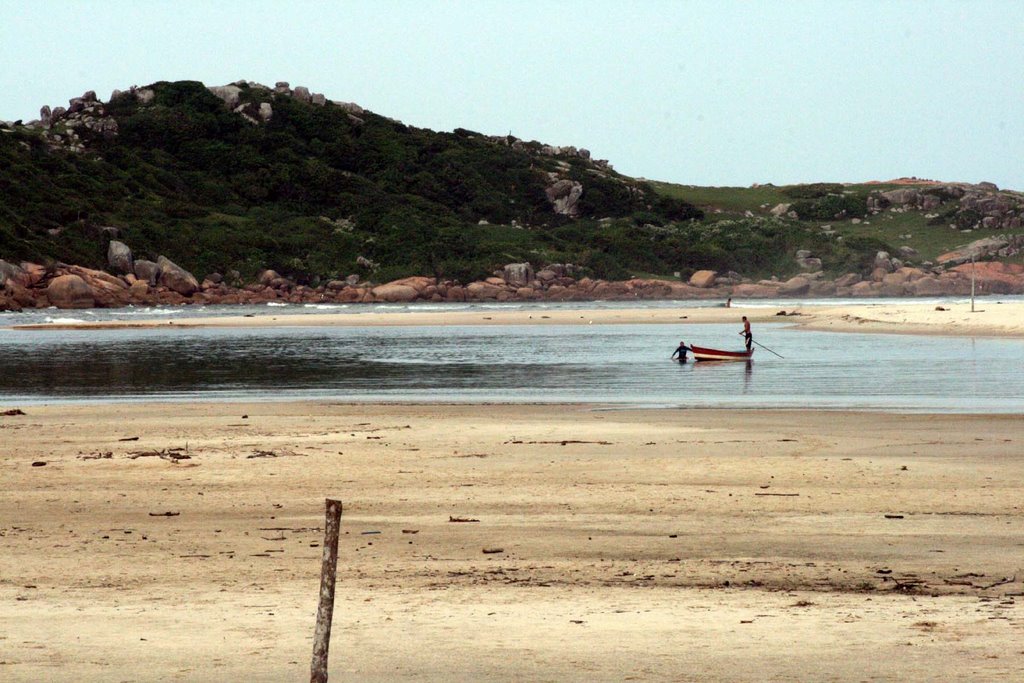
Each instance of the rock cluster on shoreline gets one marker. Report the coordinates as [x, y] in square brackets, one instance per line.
[143, 283]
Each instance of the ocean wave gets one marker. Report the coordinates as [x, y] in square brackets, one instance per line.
[62, 321]
[152, 311]
[276, 303]
[325, 307]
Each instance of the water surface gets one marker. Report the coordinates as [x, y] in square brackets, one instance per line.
[619, 364]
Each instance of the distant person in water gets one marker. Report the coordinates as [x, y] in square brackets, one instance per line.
[728, 302]
[746, 332]
[681, 352]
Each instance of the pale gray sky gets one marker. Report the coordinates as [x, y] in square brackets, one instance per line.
[708, 93]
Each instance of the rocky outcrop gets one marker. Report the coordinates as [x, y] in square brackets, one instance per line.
[70, 291]
[980, 249]
[176, 278]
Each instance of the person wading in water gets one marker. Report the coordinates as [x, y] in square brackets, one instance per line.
[746, 332]
[683, 348]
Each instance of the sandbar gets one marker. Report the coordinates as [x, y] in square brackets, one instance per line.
[990, 318]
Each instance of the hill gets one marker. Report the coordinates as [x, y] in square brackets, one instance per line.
[245, 177]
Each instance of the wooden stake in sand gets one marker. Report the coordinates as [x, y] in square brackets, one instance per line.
[325, 612]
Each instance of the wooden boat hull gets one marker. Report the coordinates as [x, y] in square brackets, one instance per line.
[701, 353]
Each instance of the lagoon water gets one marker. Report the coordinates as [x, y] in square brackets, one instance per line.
[624, 365]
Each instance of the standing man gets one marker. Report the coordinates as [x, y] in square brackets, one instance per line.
[746, 332]
[683, 348]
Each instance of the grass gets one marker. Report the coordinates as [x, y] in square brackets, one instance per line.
[733, 199]
[930, 241]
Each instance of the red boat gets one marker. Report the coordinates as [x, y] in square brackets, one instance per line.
[701, 353]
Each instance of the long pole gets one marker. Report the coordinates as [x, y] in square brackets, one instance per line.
[767, 349]
[325, 612]
[972, 282]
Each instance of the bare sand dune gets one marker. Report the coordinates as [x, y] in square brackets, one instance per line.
[634, 545]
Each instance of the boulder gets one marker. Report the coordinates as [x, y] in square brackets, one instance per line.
[301, 93]
[903, 197]
[518, 274]
[752, 291]
[780, 210]
[9, 271]
[119, 258]
[266, 112]
[482, 290]
[139, 289]
[797, 286]
[230, 94]
[267, 276]
[546, 275]
[455, 293]
[395, 293]
[281, 283]
[882, 260]
[703, 279]
[96, 278]
[865, 288]
[176, 278]
[928, 286]
[70, 291]
[147, 271]
[609, 290]
[823, 288]
[848, 280]
[526, 293]
[564, 196]
[419, 283]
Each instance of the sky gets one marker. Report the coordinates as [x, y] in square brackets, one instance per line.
[703, 93]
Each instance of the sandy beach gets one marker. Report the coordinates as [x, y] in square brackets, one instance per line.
[991, 318]
[621, 545]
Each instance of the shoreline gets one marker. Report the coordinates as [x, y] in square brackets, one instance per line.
[607, 537]
[996, 319]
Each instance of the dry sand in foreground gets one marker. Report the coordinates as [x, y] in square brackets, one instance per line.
[635, 545]
[991, 318]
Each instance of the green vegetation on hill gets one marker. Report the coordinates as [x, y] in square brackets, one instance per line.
[837, 215]
[306, 193]
[314, 188]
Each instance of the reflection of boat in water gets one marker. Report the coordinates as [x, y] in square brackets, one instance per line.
[702, 353]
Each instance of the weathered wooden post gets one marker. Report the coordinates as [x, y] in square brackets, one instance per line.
[325, 612]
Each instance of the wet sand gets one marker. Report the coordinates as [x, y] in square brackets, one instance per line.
[990, 318]
[634, 545]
